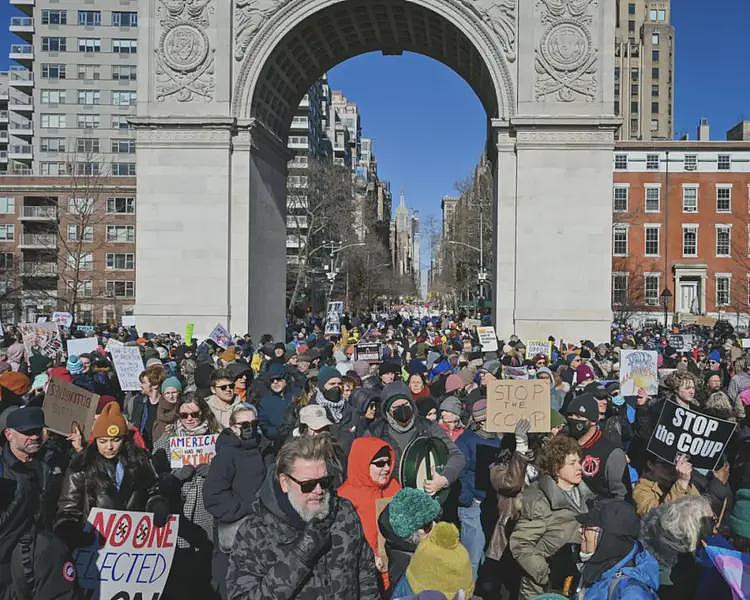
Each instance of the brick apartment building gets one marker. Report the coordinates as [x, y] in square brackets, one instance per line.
[59, 233]
[681, 213]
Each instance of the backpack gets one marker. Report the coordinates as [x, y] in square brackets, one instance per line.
[624, 587]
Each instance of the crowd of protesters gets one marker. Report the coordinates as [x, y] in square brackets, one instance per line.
[316, 489]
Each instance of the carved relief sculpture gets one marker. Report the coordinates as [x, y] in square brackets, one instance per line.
[566, 59]
[500, 16]
[184, 56]
[249, 15]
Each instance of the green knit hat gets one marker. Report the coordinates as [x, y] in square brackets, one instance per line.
[410, 509]
[739, 520]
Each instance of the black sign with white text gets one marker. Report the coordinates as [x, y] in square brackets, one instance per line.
[369, 351]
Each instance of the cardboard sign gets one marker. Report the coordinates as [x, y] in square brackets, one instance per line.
[63, 319]
[192, 450]
[638, 369]
[221, 336]
[134, 558]
[65, 404]
[80, 346]
[128, 366]
[41, 338]
[509, 401]
[534, 347]
[128, 320]
[369, 351]
[683, 431]
[487, 339]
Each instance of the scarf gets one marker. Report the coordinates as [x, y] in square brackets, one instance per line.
[181, 431]
[166, 414]
[335, 409]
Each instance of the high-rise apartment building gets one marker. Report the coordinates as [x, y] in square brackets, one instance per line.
[71, 88]
[644, 69]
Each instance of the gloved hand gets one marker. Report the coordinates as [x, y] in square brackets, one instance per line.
[522, 435]
[202, 470]
[73, 535]
[160, 508]
[315, 540]
[184, 473]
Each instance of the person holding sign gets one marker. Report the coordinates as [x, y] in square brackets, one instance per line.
[110, 473]
[663, 482]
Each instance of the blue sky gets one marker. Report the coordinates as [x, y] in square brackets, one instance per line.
[429, 127]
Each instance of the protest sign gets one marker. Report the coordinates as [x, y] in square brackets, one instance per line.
[510, 400]
[65, 404]
[534, 347]
[80, 346]
[515, 372]
[683, 431]
[192, 450]
[63, 319]
[128, 365]
[472, 324]
[746, 342]
[221, 336]
[133, 559]
[638, 369]
[189, 329]
[112, 342]
[128, 320]
[369, 351]
[41, 338]
[681, 343]
[41, 319]
[85, 329]
[336, 307]
[487, 339]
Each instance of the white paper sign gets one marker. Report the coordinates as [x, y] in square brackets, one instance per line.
[64, 319]
[534, 347]
[221, 336]
[746, 342]
[134, 559]
[112, 342]
[128, 365]
[128, 320]
[80, 346]
[487, 339]
[638, 369]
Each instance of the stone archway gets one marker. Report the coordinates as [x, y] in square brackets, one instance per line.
[223, 78]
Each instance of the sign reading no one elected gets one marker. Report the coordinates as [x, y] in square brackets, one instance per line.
[683, 431]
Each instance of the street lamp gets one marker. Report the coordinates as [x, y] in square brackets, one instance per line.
[665, 296]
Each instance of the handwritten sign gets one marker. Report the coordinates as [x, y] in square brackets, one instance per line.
[638, 369]
[128, 366]
[487, 339]
[85, 329]
[192, 450]
[221, 336]
[133, 559]
[681, 342]
[683, 431]
[534, 347]
[80, 346]
[471, 324]
[369, 351]
[112, 342]
[509, 401]
[128, 320]
[63, 319]
[41, 338]
[65, 403]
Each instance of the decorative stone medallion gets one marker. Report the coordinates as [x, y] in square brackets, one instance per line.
[566, 46]
[184, 47]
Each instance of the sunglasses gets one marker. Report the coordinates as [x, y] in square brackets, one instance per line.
[381, 462]
[31, 432]
[188, 415]
[246, 425]
[309, 485]
[273, 379]
[225, 387]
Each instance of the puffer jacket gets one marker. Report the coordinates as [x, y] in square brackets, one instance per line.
[547, 523]
[635, 577]
[263, 565]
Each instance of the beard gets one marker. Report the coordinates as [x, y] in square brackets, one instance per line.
[308, 514]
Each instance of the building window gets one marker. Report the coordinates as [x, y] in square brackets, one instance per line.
[634, 89]
[87, 145]
[120, 122]
[620, 198]
[80, 206]
[7, 232]
[123, 72]
[723, 198]
[53, 120]
[53, 168]
[123, 146]
[89, 72]
[87, 168]
[634, 74]
[620, 240]
[689, 240]
[655, 38]
[122, 98]
[7, 205]
[124, 46]
[655, 55]
[724, 162]
[651, 283]
[52, 97]
[89, 45]
[652, 161]
[690, 199]
[89, 18]
[652, 240]
[88, 121]
[85, 262]
[121, 206]
[6, 260]
[652, 199]
[631, 26]
[88, 97]
[621, 161]
[123, 169]
[723, 240]
[654, 124]
[54, 44]
[120, 233]
[631, 8]
[54, 17]
[634, 107]
[722, 290]
[121, 289]
[55, 144]
[53, 71]
[657, 14]
[691, 162]
[655, 73]
[655, 108]
[73, 233]
[120, 261]
[124, 18]
[619, 288]
[654, 90]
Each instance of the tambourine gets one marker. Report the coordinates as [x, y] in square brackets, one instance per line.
[421, 458]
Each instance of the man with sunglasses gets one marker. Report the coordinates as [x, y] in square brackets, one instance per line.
[300, 540]
[222, 399]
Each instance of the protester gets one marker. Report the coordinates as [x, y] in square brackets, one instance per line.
[222, 399]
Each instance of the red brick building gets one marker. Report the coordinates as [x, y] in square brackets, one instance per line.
[680, 221]
[60, 234]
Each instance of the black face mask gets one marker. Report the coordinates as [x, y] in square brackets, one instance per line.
[333, 395]
[577, 429]
[403, 414]
[249, 432]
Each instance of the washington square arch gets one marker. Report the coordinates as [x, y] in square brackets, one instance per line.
[219, 81]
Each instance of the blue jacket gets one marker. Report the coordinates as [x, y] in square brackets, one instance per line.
[637, 582]
[467, 443]
[271, 410]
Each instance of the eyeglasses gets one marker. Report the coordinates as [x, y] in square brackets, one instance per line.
[190, 415]
[246, 424]
[225, 387]
[381, 462]
[309, 485]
